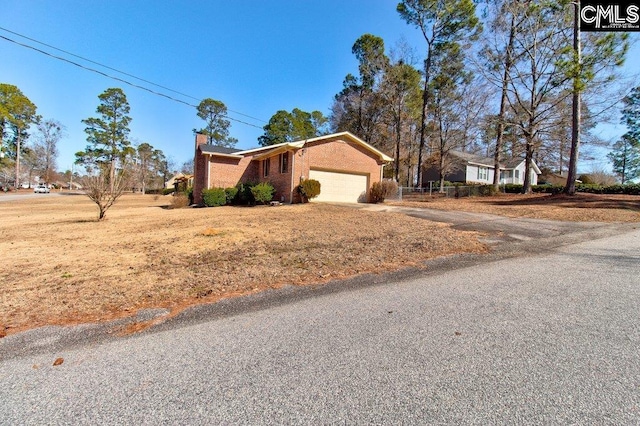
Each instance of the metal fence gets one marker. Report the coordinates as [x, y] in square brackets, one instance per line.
[455, 191]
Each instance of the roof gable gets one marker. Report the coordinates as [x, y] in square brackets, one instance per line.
[511, 164]
[472, 158]
[268, 151]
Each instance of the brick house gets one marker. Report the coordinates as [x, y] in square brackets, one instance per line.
[345, 166]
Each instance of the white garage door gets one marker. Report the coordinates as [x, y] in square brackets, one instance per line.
[340, 187]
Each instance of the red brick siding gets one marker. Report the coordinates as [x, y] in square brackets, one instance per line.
[227, 172]
[330, 155]
[280, 181]
[339, 156]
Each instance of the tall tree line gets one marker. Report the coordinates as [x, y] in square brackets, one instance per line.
[505, 92]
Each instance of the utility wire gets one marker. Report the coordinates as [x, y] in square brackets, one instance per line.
[117, 78]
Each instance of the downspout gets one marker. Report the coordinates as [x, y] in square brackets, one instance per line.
[208, 171]
[293, 168]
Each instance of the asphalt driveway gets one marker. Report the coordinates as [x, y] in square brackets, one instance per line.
[498, 229]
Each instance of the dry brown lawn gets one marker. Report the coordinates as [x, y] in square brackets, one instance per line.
[580, 207]
[61, 266]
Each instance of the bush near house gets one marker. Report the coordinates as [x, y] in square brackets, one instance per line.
[262, 192]
[308, 189]
[189, 194]
[487, 190]
[629, 189]
[244, 196]
[386, 188]
[214, 197]
[231, 194]
[179, 200]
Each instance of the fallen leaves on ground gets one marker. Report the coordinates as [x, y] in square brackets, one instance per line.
[581, 207]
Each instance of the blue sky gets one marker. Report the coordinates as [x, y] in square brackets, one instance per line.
[256, 56]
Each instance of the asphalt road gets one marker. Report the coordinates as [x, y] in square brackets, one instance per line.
[551, 338]
[21, 196]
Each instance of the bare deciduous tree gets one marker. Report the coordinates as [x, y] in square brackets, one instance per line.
[100, 189]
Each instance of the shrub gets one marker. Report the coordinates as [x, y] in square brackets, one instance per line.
[512, 188]
[308, 189]
[189, 194]
[262, 192]
[179, 201]
[168, 191]
[547, 189]
[586, 179]
[386, 188]
[230, 194]
[214, 197]
[487, 190]
[244, 194]
[632, 189]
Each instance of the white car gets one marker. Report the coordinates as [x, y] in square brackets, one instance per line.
[44, 189]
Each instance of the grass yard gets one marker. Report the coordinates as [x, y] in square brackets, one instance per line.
[61, 266]
[580, 207]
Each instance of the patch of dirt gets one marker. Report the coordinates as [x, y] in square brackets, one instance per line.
[62, 266]
[577, 208]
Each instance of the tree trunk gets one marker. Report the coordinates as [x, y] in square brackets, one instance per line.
[398, 134]
[17, 182]
[503, 106]
[112, 174]
[425, 105]
[526, 187]
[441, 171]
[570, 187]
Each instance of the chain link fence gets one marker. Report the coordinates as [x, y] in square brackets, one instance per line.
[454, 191]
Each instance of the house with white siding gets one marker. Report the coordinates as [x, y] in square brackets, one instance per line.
[476, 169]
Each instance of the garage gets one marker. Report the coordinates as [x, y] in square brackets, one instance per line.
[340, 187]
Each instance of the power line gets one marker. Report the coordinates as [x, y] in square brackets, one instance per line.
[117, 78]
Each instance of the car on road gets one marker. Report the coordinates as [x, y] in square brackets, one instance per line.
[43, 189]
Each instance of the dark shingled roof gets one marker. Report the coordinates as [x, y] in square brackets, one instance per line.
[513, 163]
[213, 149]
[472, 158]
[486, 161]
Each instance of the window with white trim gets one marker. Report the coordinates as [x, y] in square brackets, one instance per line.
[483, 173]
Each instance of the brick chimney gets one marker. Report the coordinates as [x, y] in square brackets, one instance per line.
[200, 172]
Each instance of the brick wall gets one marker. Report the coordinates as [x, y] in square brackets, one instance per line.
[331, 155]
[281, 181]
[227, 172]
[200, 170]
[340, 156]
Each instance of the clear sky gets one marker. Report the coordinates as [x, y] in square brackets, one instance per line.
[256, 56]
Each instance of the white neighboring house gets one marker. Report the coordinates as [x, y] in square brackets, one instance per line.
[476, 169]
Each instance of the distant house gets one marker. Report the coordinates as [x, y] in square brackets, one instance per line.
[476, 169]
[344, 164]
[179, 179]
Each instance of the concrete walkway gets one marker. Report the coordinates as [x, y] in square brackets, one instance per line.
[498, 229]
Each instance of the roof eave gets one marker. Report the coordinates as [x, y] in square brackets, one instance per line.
[219, 154]
[277, 150]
